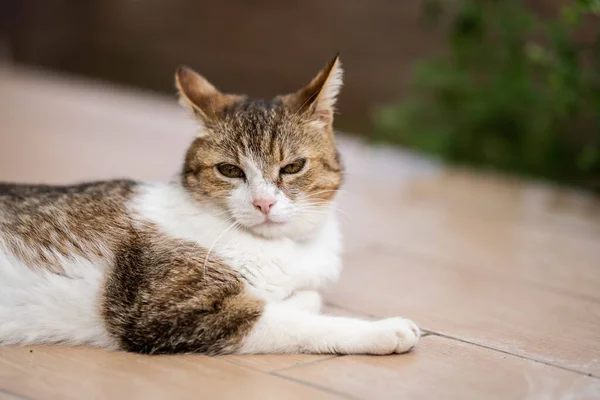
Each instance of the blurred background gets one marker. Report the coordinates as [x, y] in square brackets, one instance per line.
[500, 84]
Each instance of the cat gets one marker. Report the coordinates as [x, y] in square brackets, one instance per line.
[227, 258]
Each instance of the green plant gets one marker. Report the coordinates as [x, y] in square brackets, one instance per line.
[510, 92]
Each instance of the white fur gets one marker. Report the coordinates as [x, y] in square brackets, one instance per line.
[325, 102]
[38, 306]
[331, 88]
[285, 329]
[273, 267]
[307, 300]
[297, 220]
[294, 326]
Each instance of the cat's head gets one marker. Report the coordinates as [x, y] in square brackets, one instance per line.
[272, 166]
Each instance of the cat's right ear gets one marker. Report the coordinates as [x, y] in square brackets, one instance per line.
[196, 93]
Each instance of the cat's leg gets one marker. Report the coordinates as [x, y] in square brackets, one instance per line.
[308, 300]
[286, 329]
[163, 297]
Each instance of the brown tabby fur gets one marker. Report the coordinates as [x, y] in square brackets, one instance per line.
[40, 223]
[273, 135]
[161, 298]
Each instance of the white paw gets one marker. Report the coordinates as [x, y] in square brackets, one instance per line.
[308, 300]
[405, 333]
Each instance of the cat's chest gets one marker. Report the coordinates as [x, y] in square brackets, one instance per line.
[274, 269]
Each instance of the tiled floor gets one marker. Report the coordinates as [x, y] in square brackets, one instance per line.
[505, 275]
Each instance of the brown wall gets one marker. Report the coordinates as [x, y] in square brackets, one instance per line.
[259, 47]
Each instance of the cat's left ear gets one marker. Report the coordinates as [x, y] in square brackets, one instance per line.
[319, 97]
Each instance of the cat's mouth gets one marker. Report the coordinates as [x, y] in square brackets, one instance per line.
[270, 222]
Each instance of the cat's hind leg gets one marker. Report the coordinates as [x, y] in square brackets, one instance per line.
[165, 296]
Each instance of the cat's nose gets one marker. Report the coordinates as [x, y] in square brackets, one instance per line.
[264, 205]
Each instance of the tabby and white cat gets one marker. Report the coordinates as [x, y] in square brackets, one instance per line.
[228, 259]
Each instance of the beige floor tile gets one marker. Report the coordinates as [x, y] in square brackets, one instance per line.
[446, 369]
[402, 179]
[81, 131]
[273, 362]
[497, 197]
[9, 396]
[83, 373]
[499, 311]
[507, 246]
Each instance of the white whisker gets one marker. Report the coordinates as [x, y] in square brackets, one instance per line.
[323, 191]
[230, 227]
[324, 207]
[324, 210]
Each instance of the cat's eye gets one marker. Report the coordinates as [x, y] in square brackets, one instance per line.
[294, 167]
[230, 171]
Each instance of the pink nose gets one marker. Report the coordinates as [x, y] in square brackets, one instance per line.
[264, 205]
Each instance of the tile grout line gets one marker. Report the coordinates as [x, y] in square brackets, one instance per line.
[16, 395]
[429, 332]
[483, 346]
[306, 363]
[287, 378]
[314, 386]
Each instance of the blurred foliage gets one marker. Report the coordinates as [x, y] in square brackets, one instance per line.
[511, 92]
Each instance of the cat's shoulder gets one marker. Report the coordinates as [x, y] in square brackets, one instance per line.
[172, 211]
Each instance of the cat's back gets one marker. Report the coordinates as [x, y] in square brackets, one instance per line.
[21, 196]
[41, 225]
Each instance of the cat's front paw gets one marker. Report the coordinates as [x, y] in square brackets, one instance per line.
[407, 333]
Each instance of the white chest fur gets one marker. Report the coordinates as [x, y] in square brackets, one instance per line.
[273, 268]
